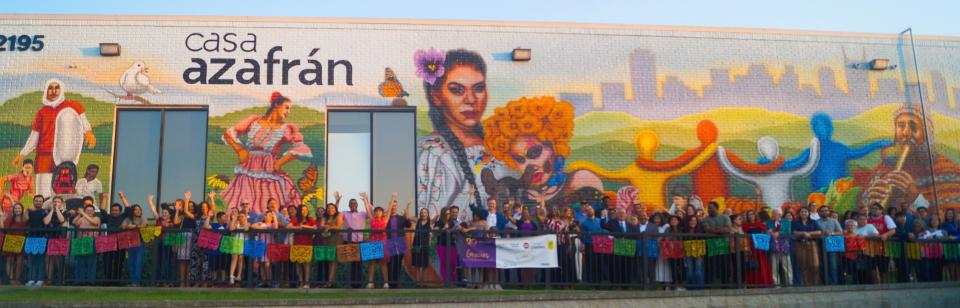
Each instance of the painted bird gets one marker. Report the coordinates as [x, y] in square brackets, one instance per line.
[135, 81]
[391, 87]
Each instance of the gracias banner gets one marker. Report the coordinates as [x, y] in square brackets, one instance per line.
[527, 252]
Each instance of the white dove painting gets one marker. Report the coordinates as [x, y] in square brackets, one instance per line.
[135, 82]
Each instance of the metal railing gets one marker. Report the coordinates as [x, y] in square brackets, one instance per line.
[175, 258]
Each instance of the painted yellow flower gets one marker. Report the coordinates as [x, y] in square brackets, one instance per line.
[501, 113]
[517, 109]
[530, 125]
[541, 108]
[510, 127]
[217, 182]
[562, 113]
[549, 120]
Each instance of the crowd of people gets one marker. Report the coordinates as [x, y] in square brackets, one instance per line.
[797, 258]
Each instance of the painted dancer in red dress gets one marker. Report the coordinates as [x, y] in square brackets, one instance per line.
[260, 176]
[57, 135]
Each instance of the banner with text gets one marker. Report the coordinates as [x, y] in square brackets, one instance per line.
[527, 252]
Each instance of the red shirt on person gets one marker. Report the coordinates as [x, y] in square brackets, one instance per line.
[304, 237]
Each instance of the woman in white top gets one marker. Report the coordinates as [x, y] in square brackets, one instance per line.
[865, 229]
[934, 231]
[663, 274]
[452, 156]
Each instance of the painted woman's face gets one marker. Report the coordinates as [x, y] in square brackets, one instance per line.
[27, 169]
[283, 110]
[529, 151]
[462, 96]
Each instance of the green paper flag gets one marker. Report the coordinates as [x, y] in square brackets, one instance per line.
[324, 253]
[893, 249]
[718, 246]
[81, 246]
[951, 251]
[624, 247]
[231, 245]
[174, 239]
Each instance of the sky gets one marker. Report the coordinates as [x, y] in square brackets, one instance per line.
[877, 16]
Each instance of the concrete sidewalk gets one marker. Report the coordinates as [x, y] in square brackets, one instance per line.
[930, 295]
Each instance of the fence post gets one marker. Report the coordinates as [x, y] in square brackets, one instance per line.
[445, 260]
[825, 263]
[738, 257]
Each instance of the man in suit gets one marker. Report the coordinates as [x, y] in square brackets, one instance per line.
[620, 266]
[648, 231]
[496, 220]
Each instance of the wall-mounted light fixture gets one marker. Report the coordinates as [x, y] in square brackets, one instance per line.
[521, 54]
[109, 49]
[879, 64]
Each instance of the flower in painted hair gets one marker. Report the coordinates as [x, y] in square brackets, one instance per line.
[429, 64]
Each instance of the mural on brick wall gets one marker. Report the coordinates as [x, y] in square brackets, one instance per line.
[648, 122]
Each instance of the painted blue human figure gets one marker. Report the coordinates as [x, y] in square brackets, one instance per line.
[834, 156]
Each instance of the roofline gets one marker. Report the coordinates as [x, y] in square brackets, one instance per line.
[453, 22]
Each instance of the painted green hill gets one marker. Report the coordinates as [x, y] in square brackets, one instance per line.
[302, 116]
[22, 109]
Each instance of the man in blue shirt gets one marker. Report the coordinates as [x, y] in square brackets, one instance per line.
[590, 226]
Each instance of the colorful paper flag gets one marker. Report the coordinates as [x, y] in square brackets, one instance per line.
[324, 253]
[780, 244]
[174, 238]
[209, 240]
[254, 248]
[278, 252]
[301, 253]
[231, 245]
[35, 246]
[624, 247]
[694, 248]
[951, 251]
[873, 248]
[396, 246]
[893, 249]
[718, 246]
[105, 243]
[652, 247]
[58, 246]
[148, 234]
[128, 239]
[81, 246]
[602, 244]
[834, 243]
[371, 251]
[761, 241]
[913, 250]
[348, 253]
[671, 249]
[13, 243]
[933, 250]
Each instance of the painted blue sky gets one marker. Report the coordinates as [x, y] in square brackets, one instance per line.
[881, 16]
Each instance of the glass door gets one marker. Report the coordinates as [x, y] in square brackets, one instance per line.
[372, 150]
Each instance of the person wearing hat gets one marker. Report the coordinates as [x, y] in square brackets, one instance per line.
[913, 182]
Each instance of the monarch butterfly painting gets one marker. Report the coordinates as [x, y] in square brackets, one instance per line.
[391, 87]
[309, 179]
